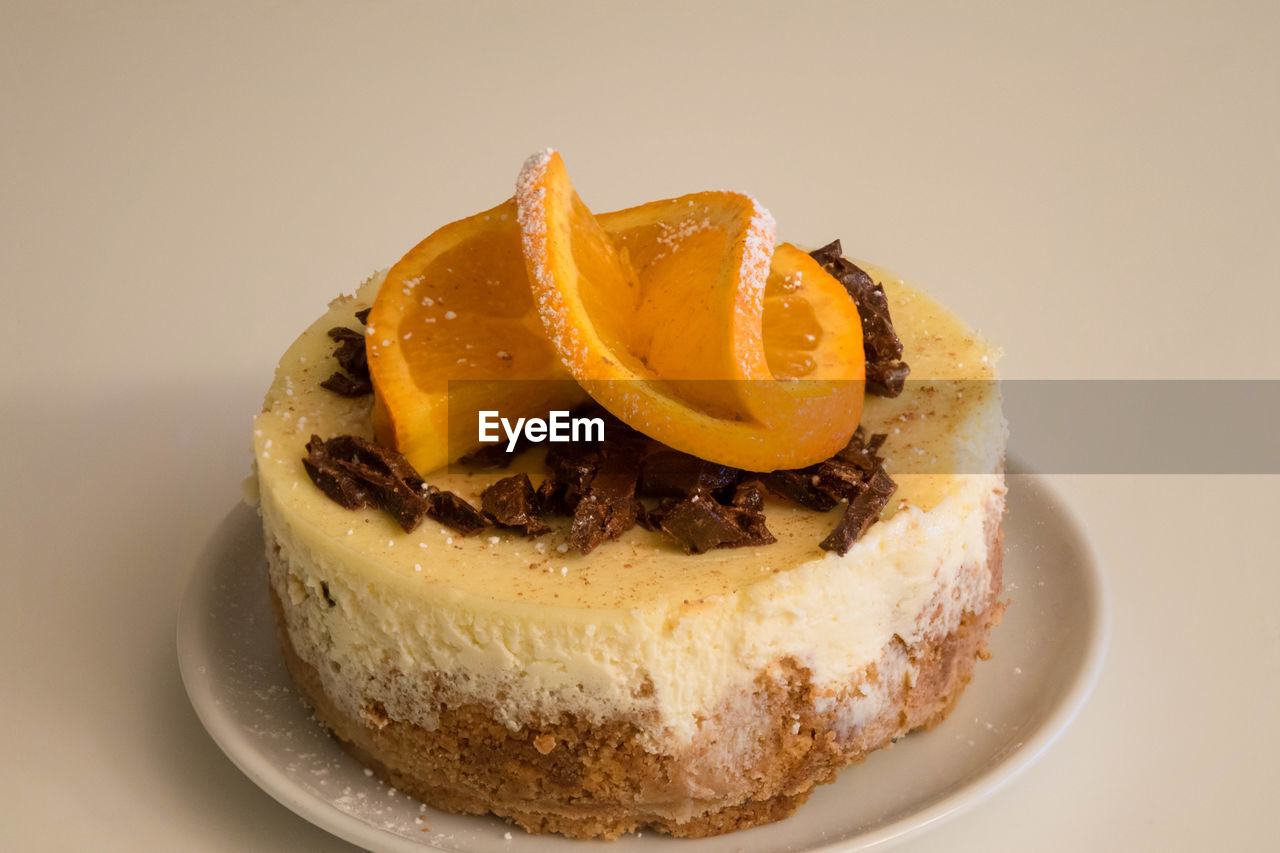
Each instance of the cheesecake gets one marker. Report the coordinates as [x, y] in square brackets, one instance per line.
[637, 685]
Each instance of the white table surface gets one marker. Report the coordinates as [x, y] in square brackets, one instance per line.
[183, 187]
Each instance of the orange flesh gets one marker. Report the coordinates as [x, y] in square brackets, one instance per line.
[695, 327]
[454, 332]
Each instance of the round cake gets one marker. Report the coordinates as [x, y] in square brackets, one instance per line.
[638, 685]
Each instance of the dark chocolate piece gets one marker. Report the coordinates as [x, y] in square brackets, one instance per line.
[363, 316]
[572, 467]
[841, 480]
[748, 499]
[646, 517]
[350, 354]
[350, 469]
[352, 358]
[339, 486]
[855, 474]
[699, 523]
[548, 498]
[512, 502]
[348, 386]
[589, 521]
[357, 473]
[452, 511]
[819, 487]
[749, 495]
[861, 513]
[862, 452]
[886, 377]
[802, 486]
[671, 473]
[886, 372]
[610, 506]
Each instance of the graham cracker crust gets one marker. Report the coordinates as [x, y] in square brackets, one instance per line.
[596, 781]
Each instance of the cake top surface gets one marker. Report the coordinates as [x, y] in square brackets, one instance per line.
[945, 426]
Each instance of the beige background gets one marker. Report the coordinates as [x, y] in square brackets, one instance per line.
[182, 187]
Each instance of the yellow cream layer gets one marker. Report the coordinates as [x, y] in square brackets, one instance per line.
[637, 628]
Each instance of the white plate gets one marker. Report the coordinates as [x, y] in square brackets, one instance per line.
[1047, 654]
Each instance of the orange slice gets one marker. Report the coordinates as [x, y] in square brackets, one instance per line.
[659, 312]
[813, 341]
[691, 311]
[454, 330]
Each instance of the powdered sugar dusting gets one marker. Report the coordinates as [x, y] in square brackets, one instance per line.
[537, 162]
[531, 214]
[758, 245]
[672, 236]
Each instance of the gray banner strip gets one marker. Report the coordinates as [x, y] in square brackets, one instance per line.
[1120, 426]
[1145, 426]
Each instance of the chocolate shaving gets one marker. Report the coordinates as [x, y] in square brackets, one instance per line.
[350, 354]
[331, 478]
[548, 498]
[357, 473]
[820, 487]
[886, 372]
[873, 444]
[352, 358]
[646, 517]
[363, 316]
[841, 480]
[749, 495]
[700, 523]
[572, 467]
[347, 386]
[748, 505]
[512, 502]
[886, 378]
[802, 486]
[863, 452]
[855, 474]
[610, 506]
[861, 513]
[452, 511]
[671, 473]
[596, 482]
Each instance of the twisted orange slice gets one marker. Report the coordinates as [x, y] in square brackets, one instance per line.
[663, 314]
[452, 331]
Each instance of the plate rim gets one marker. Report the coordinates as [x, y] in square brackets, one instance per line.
[271, 778]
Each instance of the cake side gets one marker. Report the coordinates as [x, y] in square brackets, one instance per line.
[662, 666]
